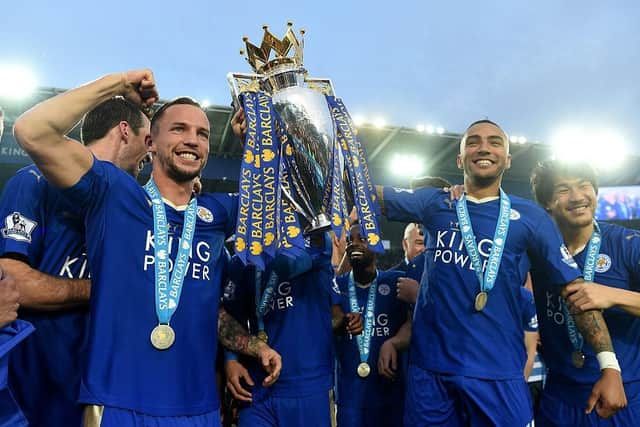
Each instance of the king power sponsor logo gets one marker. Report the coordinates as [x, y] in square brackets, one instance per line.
[196, 266]
[450, 249]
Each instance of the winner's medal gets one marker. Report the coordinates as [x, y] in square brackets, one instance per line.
[364, 340]
[364, 370]
[168, 289]
[162, 337]
[488, 279]
[481, 301]
[577, 358]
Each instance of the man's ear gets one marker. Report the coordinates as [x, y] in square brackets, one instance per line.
[125, 130]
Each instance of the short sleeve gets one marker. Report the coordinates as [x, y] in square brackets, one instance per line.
[22, 210]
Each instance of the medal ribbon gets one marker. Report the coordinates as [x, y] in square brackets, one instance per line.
[593, 250]
[263, 299]
[364, 339]
[499, 240]
[167, 300]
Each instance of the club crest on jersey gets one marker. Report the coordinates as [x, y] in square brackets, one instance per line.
[603, 263]
[567, 258]
[384, 289]
[514, 215]
[205, 214]
[18, 227]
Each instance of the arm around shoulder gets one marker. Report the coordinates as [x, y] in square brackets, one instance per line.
[42, 130]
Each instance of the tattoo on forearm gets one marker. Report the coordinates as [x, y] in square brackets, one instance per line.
[336, 322]
[234, 337]
[593, 328]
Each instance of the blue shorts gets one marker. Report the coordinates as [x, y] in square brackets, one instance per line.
[10, 413]
[450, 400]
[557, 411]
[315, 410]
[98, 416]
[384, 416]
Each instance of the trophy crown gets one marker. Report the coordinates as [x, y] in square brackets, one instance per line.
[287, 50]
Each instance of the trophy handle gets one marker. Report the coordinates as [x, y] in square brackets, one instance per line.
[324, 86]
[242, 82]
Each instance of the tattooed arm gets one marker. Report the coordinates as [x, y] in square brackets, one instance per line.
[235, 338]
[607, 395]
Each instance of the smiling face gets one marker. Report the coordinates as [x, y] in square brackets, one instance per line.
[357, 250]
[573, 202]
[180, 142]
[484, 153]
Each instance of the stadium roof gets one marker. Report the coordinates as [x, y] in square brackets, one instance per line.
[437, 152]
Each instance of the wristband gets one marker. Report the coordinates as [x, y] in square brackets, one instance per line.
[607, 359]
[230, 355]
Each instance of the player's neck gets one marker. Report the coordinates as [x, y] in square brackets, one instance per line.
[105, 150]
[364, 275]
[479, 190]
[576, 238]
[178, 193]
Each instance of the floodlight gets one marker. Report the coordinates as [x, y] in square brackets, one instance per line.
[16, 81]
[379, 123]
[407, 165]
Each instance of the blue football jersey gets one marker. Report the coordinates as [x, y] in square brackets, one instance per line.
[297, 322]
[43, 229]
[123, 369]
[616, 266]
[390, 313]
[450, 336]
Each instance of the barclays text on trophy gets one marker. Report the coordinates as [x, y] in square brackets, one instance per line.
[302, 158]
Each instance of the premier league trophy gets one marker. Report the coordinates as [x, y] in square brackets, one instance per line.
[301, 153]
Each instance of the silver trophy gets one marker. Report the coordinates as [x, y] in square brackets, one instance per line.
[301, 104]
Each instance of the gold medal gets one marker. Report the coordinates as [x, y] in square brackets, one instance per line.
[481, 301]
[162, 336]
[262, 336]
[577, 358]
[364, 370]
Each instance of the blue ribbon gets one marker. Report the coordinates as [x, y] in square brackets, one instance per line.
[270, 150]
[243, 223]
[363, 191]
[499, 240]
[264, 298]
[364, 340]
[593, 250]
[167, 299]
[292, 240]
